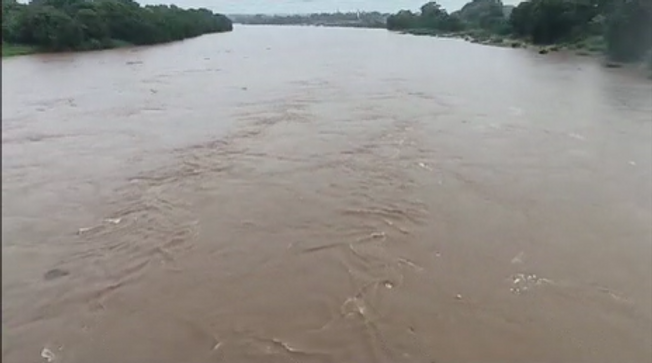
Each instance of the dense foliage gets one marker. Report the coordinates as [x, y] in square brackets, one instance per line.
[489, 15]
[432, 16]
[96, 24]
[362, 19]
[477, 14]
[624, 25]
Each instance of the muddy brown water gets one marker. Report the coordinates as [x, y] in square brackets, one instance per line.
[325, 195]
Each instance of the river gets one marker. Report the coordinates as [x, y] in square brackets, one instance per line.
[282, 194]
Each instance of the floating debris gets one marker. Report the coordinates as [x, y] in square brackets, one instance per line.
[284, 345]
[113, 220]
[55, 274]
[48, 355]
[388, 284]
[373, 236]
[523, 282]
[612, 294]
[411, 264]
[357, 308]
[84, 230]
[613, 65]
[458, 297]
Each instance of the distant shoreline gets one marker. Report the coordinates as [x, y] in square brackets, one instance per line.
[594, 48]
[361, 26]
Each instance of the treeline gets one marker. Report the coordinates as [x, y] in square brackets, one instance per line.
[624, 25]
[58, 25]
[353, 19]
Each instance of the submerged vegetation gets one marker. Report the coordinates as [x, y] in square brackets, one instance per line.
[60, 25]
[620, 28]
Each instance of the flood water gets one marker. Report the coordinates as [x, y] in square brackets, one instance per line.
[325, 195]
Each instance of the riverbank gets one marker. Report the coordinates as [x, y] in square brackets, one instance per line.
[587, 46]
[57, 27]
[594, 46]
[618, 31]
[12, 50]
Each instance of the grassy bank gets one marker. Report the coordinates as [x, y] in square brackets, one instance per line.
[11, 50]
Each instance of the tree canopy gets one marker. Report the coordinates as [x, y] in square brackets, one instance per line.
[94, 24]
[432, 16]
[488, 15]
[625, 25]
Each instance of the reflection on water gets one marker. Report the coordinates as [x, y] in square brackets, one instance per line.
[325, 195]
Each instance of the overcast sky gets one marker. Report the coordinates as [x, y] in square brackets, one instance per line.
[307, 6]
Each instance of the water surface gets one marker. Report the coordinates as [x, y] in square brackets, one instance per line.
[325, 195]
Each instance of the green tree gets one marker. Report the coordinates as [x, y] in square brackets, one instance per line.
[404, 19]
[50, 28]
[11, 13]
[92, 24]
[629, 30]
[521, 19]
[549, 21]
[487, 15]
[433, 16]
